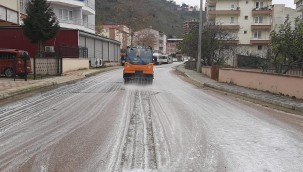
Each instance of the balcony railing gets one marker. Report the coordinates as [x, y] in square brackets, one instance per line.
[224, 12]
[8, 15]
[262, 10]
[255, 41]
[260, 27]
[77, 21]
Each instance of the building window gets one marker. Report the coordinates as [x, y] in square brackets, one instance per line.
[259, 47]
[259, 4]
[246, 17]
[232, 6]
[257, 35]
[65, 14]
[259, 19]
[245, 31]
[232, 19]
[246, 2]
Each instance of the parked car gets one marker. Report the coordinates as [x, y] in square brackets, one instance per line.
[12, 62]
[163, 59]
[175, 59]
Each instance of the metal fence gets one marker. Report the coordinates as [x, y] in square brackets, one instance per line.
[294, 69]
[47, 64]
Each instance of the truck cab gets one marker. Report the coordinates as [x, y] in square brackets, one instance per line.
[138, 65]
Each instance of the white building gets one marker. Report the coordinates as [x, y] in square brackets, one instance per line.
[75, 14]
[250, 20]
[12, 12]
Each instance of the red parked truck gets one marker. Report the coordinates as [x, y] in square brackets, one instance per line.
[12, 62]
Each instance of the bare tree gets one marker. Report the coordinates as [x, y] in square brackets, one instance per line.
[145, 38]
[132, 13]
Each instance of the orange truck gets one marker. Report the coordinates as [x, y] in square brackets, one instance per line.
[138, 65]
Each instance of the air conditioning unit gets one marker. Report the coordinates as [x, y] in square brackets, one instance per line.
[49, 49]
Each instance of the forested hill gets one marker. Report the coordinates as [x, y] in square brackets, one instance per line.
[163, 15]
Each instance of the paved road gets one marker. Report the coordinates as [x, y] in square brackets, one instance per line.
[100, 124]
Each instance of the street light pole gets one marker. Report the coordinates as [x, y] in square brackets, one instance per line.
[200, 37]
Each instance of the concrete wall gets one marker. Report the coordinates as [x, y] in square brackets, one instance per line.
[279, 84]
[74, 64]
[206, 71]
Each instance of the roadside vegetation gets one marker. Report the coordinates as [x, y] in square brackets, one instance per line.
[41, 23]
[286, 47]
[217, 45]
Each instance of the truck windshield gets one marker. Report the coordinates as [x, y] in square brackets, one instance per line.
[140, 56]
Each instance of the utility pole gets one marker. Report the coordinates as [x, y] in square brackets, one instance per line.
[200, 37]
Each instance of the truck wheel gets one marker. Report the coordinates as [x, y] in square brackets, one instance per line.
[9, 72]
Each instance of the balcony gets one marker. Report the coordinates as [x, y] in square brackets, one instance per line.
[230, 27]
[230, 41]
[262, 11]
[223, 12]
[8, 16]
[299, 6]
[259, 42]
[261, 27]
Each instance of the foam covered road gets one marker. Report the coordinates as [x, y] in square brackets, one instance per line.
[100, 124]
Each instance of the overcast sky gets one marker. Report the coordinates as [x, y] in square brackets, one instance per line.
[289, 3]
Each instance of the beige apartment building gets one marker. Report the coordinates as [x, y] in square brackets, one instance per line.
[250, 20]
[119, 33]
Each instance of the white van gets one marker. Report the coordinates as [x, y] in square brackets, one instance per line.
[156, 58]
[163, 59]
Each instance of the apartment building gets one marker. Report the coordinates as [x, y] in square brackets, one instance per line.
[77, 22]
[12, 12]
[75, 14]
[162, 42]
[171, 46]
[280, 12]
[190, 25]
[249, 20]
[299, 6]
[119, 33]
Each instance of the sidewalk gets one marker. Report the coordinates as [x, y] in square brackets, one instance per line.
[9, 87]
[278, 100]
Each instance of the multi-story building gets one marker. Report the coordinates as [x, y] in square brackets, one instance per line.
[171, 46]
[75, 14]
[299, 6]
[249, 20]
[76, 34]
[280, 12]
[119, 33]
[190, 25]
[162, 42]
[12, 12]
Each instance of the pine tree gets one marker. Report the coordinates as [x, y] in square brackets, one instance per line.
[41, 23]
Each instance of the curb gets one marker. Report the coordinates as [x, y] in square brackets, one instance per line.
[37, 86]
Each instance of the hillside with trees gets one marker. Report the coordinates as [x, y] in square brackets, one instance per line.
[162, 15]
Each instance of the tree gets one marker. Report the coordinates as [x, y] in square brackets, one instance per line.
[41, 23]
[132, 13]
[145, 38]
[286, 45]
[217, 44]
